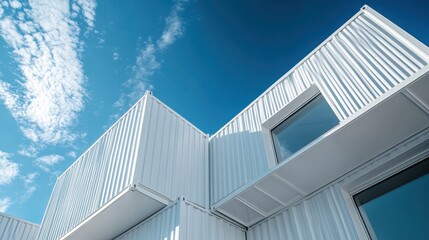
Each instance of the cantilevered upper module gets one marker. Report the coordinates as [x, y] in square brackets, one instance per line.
[338, 141]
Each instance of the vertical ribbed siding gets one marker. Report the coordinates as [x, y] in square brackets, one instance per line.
[103, 171]
[202, 225]
[356, 65]
[164, 225]
[177, 152]
[16, 229]
[323, 216]
[150, 145]
[184, 221]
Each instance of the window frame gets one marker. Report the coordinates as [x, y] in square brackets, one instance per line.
[287, 111]
[380, 169]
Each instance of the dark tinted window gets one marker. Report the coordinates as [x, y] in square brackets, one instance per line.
[304, 126]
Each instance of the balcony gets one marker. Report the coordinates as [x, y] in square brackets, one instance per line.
[391, 119]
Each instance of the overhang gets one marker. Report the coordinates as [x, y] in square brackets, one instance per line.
[133, 205]
[392, 119]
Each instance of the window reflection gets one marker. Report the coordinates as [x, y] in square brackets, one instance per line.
[304, 126]
[398, 208]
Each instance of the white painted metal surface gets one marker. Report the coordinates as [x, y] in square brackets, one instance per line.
[338, 152]
[150, 146]
[331, 212]
[16, 229]
[323, 216]
[359, 63]
[183, 220]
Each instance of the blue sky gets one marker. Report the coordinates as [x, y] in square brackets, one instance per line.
[69, 69]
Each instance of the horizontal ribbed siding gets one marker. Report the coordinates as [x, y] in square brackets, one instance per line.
[150, 145]
[15, 229]
[324, 216]
[184, 221]
[359, 63]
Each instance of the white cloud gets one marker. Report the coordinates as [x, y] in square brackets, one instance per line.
[173, 26]
[30, 188]
[44, 41]
[15, 4]
[28, 193]
[8, 169]
[29, 178]
[147, 57]
[5, 204]
[49, 160]
[115, 56]
[28, 151]
[72, 154]
[88, 10]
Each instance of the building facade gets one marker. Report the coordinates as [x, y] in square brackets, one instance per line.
[338, 141]
[12, 228]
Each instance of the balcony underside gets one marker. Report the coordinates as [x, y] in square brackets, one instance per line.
[131, 206]
[349, 145]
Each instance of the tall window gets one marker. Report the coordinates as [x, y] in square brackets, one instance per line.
[304, 126]
[398, 208]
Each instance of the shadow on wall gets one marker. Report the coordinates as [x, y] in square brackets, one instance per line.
[235, 159]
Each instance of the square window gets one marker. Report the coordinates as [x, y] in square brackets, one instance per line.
[398, 207]
[302, 127]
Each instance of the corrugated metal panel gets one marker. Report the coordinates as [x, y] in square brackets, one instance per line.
[185, 221]
[323, 216]
[98, 175]
[179, 154]
[15, 229]
[202, 225]
[361, 61]
[131, 152]
[164, 225]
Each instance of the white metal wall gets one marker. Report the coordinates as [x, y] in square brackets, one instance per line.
[324, 216]
[364, 59]
[16, 229]
[182, 220]
[150, 145]
[164, 225]
[178, 152]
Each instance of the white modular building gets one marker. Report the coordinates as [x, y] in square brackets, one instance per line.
[337, 148]
[12, 228]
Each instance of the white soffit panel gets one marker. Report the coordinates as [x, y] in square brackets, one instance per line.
[339, 151]
[420, 91]
[130, 207]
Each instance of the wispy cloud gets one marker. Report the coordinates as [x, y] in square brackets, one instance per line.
[5, 204]
[49, 160]
[87, 8]
[28, 151]
[44, 40]
[30, 188]
[45, 162]
[29, 178]
[72, 154]
[115, 55]
[147, 56]
[173, 26]
[8, 169]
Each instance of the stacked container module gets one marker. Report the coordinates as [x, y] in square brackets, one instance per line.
[148, 158]
[366, 61]
[183, 220]
[16, 229]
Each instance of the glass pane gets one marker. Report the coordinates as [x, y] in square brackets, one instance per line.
[304, 126]
[398, 208]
